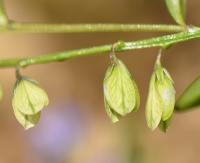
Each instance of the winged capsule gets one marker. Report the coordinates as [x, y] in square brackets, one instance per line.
[28, 101]
[121, 95]
[161, 96]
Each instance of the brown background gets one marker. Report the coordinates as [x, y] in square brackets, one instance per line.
[75, 128]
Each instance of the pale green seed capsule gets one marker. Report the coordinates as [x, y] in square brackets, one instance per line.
[28, 97]
[120, 91]
[27, 121]
[161, 98]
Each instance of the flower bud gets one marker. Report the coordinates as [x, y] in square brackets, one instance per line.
[28, 101]
[161, 97]
[121, 94]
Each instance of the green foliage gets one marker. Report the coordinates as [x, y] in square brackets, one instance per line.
[177, 10]
[190, 97]
[161, 97]
[121, 94]
[28, 101]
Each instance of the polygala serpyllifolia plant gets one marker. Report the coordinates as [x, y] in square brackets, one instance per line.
[121, 94]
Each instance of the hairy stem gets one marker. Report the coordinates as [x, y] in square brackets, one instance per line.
[163, 41]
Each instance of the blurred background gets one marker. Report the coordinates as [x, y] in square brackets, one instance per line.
[75, 127]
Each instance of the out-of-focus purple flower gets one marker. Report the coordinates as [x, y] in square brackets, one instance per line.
[60, 128]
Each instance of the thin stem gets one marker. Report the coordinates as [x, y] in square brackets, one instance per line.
[80, 28]
[162, 42]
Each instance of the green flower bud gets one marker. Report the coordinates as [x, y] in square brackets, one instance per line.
[161, 97]
[121, 94]
[28, 101]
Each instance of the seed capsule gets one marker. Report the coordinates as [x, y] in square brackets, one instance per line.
[28, 101]
[121, 94]
[161, 97]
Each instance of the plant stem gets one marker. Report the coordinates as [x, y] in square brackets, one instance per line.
[80, 28]
[163, 41]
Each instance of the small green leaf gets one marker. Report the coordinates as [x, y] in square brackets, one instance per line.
[154, 106]
[190, 97]
[27, 121]
[120, 91]
[177, 10]
[28, 97]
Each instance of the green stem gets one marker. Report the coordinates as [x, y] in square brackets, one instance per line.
[78, 28]
[163, 41]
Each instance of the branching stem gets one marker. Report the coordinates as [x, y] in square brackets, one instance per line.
[163, 42]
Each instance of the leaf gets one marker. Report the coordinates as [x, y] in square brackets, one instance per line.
[27, 121]
[120, 91]
[29, 98]
[154, 106]
[177, 10]
[190, 97]
[1, 93]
